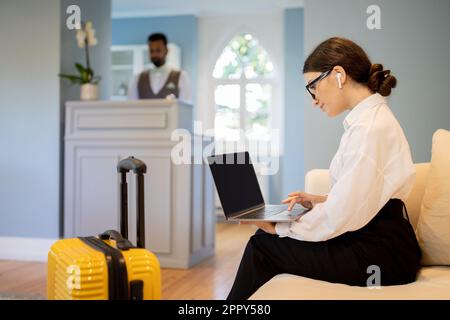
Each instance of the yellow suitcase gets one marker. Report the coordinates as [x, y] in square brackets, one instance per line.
[107, 266]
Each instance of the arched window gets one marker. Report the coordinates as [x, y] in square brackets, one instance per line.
[243, 90]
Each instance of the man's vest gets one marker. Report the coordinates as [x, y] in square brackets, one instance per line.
[170, 87]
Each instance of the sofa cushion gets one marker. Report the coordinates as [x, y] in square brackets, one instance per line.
[433, 228]
[432, 283]
[414, 200]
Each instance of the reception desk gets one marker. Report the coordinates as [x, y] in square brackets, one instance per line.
[179, 198]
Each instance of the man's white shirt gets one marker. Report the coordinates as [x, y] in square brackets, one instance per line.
[158, 77]
[372, 165]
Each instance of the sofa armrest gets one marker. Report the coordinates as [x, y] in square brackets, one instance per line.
[317, 181]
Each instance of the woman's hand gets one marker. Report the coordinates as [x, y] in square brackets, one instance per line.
[268, 227]
[305, 199]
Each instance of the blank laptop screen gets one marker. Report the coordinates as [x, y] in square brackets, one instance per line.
[236, 181]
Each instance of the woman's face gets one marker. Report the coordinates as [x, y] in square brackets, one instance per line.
[328, 96]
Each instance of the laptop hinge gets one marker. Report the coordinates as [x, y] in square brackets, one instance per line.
[242, 212]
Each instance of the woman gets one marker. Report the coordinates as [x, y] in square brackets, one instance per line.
[360, 224]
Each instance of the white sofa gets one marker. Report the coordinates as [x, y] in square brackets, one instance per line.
[433, 281]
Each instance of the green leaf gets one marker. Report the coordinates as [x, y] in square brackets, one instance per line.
[85, 77]
[80, 68]
[90, 74]
[73, 79]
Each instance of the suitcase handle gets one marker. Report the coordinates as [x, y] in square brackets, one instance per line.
[131, 163]
[121, 242]
[139, 168]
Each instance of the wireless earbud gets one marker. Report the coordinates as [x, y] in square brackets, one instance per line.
[338, 77]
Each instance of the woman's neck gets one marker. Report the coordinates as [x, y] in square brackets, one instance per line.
[358, 94]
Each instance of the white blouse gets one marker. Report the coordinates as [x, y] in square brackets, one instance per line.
[372, 165]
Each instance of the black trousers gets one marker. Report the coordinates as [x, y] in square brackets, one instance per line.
[388, 242]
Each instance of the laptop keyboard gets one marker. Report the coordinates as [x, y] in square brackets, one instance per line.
[264, 213]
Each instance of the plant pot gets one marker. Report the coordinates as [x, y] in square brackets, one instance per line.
[89, 91]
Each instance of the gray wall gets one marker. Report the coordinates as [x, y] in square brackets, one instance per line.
[414, 43]
[99, 13]
[29, 118]
[291, 176]
[36, 46]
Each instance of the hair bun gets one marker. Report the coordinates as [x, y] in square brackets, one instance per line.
[375, 68]
[380, 80]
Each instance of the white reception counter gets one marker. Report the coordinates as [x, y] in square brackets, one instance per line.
[179, 199]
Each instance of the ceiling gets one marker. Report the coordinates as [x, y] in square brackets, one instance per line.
[143, 8]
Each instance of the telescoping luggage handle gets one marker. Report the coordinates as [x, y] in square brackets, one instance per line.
[139, 168]
[121, 242]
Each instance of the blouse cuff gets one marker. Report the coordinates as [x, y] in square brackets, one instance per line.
[282, 228]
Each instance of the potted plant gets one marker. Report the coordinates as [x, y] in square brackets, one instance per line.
[86, 79]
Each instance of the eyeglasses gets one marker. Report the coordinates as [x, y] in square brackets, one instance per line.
[311, 87]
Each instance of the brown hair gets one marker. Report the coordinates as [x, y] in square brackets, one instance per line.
[347, 54]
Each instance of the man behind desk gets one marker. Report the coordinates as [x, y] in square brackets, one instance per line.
[162, 80]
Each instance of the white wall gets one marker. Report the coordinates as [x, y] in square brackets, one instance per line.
[214, 35]
[414, 43]
[29, 118]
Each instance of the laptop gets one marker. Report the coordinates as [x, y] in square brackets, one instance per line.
[240, 194]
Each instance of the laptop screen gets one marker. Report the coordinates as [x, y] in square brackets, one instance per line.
[236, 181]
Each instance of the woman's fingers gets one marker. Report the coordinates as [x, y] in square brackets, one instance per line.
[291, 205]
[303, 200]
[289, 199]
[295, 194]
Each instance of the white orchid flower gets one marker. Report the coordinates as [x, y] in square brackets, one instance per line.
[85, 38]
[88, 25]
[81, 38]
[90, 33]
[92, 40]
